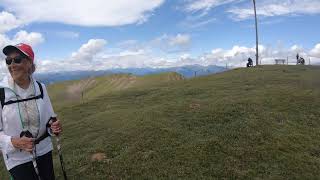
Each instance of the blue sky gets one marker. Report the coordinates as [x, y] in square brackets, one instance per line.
[102, 34]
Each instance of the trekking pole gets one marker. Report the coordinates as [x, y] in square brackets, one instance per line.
[54, 119]
[34, 158]
[35, 165]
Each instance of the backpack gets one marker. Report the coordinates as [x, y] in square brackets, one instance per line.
[3, 97]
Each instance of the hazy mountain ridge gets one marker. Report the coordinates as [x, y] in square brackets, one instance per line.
[186, 71]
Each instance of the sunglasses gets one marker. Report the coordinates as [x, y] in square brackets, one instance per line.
[16, 60]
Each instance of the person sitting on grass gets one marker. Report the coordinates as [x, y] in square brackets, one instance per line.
[250, 62]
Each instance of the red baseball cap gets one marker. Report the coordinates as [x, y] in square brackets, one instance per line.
[23, 48]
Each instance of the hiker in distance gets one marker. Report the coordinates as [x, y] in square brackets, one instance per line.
[250, 62]
[24, 118]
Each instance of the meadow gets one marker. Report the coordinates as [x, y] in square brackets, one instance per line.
[246, 123]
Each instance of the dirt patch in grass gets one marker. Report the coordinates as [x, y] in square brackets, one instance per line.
[98, 157]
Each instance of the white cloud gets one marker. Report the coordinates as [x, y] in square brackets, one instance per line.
[198, 15]
[197, 20]
[32, 38]
[242, 9]
[92, 56]
[166, 43]
[315, 52]
[4, 40]
[8, 22]
[132, 53]
[205, 5]
[297, 49]
[83, 12]
[270, 8]
[3, 69]
[237, 56]
[185, 56]
[87, 57]
[89, 50]
[180, 40]
[172, 44]
[122, 60]
[132, 45]
[129, 61]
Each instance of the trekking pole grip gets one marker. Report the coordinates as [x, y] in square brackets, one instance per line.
[54, 119]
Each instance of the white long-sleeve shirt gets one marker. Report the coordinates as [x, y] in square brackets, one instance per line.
[10, 124]
[29, 110]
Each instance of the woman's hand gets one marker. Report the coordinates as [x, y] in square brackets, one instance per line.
[23, 143]
[56, 127]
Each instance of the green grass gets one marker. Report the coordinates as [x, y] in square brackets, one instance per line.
[70, 92]
[255, 123]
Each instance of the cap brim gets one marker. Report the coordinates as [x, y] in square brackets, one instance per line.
[9, 49]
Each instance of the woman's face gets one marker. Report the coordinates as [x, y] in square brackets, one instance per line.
[19, 71]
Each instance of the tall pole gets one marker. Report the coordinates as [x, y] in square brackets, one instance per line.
[257, 41]
[309, 60]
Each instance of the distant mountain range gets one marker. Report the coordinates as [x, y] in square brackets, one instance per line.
[187, 71]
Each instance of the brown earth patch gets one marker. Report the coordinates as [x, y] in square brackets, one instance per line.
[98, 157]
[194, 106]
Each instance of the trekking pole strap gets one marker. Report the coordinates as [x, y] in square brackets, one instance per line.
[45, 135]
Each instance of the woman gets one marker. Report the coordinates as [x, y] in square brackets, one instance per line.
[25, 114]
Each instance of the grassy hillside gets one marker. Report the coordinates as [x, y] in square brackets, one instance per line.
[257, 123]
[87, 89]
